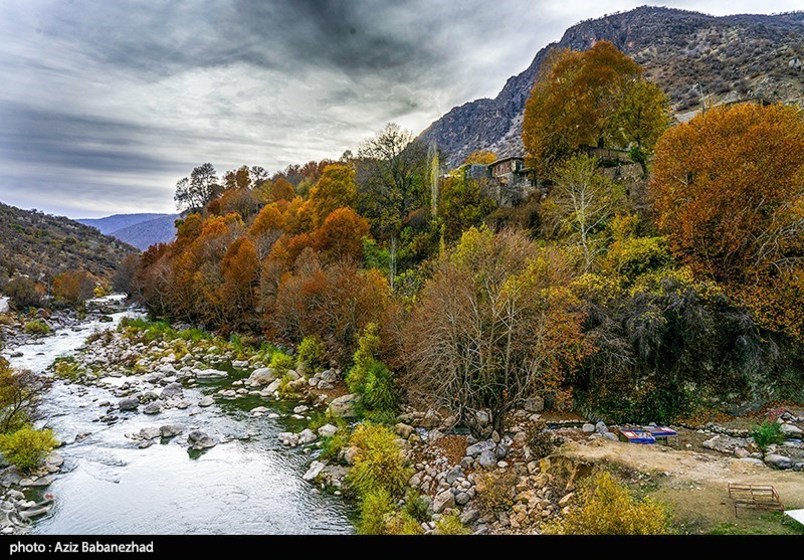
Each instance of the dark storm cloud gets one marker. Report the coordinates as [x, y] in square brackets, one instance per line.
[45, 138]
[105, 104]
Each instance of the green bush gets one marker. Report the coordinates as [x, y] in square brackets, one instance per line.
[372, 380]
[368, 346]
[375, 507]
[767, 433]
[37, 327]
[378, 390]
[416, 506]
[331, 446]
[310, 354]
[378, 462]
[67, 368]
[451, 525]
[281, 363]
[27, 448]
[401, 523]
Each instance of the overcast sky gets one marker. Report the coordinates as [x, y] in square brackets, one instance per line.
[104, 104]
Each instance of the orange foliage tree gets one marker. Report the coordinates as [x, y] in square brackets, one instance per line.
[281, 189]
[728, 188]
[73, 286]
[481, 157]
[341, 235]
[334, 302]
[587, 99]
[240, 268]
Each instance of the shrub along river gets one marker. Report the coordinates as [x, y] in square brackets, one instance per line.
[108, 485]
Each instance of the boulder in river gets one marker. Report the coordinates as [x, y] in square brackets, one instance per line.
[150, 432]
[206, 401]
[128, 404]
[262, 376]
[307, 436]
[173, 390]
[153, 408]
[315, 469]
[288, 438]
[170, 430]
[199, 440]
[210, 374]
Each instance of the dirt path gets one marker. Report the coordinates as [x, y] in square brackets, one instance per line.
[694, 484]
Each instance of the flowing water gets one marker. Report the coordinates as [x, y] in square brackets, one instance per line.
[250, 484]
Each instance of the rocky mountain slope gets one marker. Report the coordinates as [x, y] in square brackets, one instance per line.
[697, 59]
[41, 245]
[139, 230]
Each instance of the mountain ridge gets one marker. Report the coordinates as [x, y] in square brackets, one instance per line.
[139, 230]
[696, 58]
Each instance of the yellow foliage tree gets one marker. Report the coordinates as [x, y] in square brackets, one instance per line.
[589, 98]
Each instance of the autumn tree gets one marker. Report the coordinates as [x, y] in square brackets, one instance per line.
[391, 178]
[240, 201]
[20, 391]
[581, 99]
[341, 235]
[268, 226]
[480, 157]
[335, 189]
[641, 116]
[493, 327]
[581, 203]
[24, 292]
[196, 191]
[281, 189]
[464, 203]
[333, 302]
[123, 278]
[240, 178]
[728, 188]
[240, 268]
[73, 286]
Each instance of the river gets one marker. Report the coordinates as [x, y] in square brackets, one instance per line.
[250, 485]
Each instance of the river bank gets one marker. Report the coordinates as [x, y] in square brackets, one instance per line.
[202, 430]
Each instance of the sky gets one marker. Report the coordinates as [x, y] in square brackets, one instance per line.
[105, 104]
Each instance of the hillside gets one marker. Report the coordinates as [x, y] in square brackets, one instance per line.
[694, 57]
[139, 230]
[41, 245]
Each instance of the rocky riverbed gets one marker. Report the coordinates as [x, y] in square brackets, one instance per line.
[155, 444]
[204, 433]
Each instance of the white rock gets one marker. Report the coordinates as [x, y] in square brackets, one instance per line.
[210, 374]
[315, 469]
[327, 430]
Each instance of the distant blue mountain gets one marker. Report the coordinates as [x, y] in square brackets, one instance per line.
[111, 224]
[139, 230]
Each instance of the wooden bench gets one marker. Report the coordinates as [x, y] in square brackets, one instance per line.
[755, 496]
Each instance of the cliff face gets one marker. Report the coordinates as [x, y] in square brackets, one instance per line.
[694, 57]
